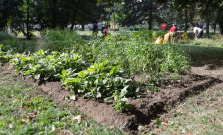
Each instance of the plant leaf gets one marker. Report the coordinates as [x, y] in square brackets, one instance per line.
[64, 72]
[77, 80]
[37, 76]
[108, 99]
[124, 100]
[98, 95]
[82, 74]
[114, 70]
[124, 91]
[73, 97]
[69, 80]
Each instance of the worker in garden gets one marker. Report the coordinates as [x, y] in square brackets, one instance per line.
[105, 32]
[164, 27]
[103, 27]
[198, 32]
[173, 31]
[95, 29]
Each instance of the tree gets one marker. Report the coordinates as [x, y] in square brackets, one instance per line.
[206, 8]
[86, 11]
[141, 11]
[187, 8]
[61, 13]
[9, 10]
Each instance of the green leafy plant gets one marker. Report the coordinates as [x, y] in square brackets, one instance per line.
[18, 46]
[46, 65]
[121, 102]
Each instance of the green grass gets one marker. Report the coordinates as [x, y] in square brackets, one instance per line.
[5, 36]
[24, 111]
[200, 115]
[215, 41]
[203, 55]
[89, 33]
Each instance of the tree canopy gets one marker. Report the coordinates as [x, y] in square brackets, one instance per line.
[22, 14]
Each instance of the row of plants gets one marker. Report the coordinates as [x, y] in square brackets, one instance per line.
[99, 81]
[103, 70]
[142, 56]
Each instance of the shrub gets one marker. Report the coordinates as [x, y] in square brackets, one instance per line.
[17, 46]
[141, 56]
[143, 35]
[61, 40]
[5, 36]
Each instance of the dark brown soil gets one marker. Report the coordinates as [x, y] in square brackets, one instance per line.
[146, 108]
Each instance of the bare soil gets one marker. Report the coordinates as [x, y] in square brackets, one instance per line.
[146, 108]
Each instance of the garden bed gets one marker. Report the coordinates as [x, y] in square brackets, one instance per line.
[146, 108]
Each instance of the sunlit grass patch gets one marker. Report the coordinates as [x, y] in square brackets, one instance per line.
[201, 115]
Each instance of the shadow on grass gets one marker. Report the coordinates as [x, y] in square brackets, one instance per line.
[201, 55]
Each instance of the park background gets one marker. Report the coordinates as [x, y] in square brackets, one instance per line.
[58, 78]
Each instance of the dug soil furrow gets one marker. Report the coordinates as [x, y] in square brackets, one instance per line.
[145, 109]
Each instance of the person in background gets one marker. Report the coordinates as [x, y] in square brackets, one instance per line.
[198, 32]
[164, 27]
[103, 27]
[105, 32]
[95, 29]
[99, 26]
[173, 31]
[201, 25]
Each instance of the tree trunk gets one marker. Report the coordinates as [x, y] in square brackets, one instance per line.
[82, 27]
[221, 27]
[28, 36]
[74, 17]
[186, 20]
[54, 14]
[207, 19]
[23, 31]
[150, 17]
[214, 25]
[207, 26]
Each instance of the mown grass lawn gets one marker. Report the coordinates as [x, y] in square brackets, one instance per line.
[24, 111]
[203, 54]
[199, 115]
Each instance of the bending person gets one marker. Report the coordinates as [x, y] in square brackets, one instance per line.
[198, 32]
[173, 31]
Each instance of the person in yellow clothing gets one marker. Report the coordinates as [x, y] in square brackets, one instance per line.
[184, 36]
[159, 40]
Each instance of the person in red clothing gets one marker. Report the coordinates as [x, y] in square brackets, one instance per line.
[173, 31]
[106, 32]
[164, 27]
